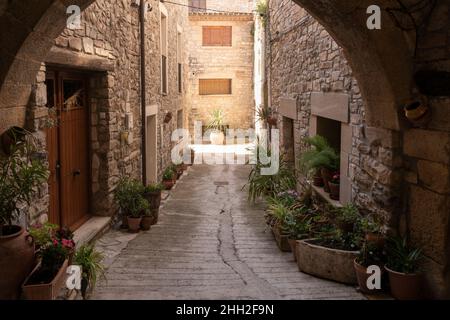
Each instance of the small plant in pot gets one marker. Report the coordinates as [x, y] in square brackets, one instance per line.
[369, 255]
[90, 261]
[299, 228]
[169, 178]
[335, 185]
[405, 276]
[129, 195]
[178, 169]
[21, 173]
[216, 127]
[320, 158]
[348, 218]
[152, 193]
[373, 230]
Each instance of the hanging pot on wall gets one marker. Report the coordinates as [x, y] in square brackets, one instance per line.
[417, 111]
[168, 117]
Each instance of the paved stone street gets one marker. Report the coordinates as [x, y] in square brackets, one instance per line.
[210, 243]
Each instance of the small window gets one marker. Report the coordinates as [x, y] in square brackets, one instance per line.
[180, 119]
[197, 5]
[215, 86]
[164, 54]
[217, 36]
[180, 63]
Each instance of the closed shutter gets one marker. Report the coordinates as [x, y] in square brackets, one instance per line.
[218, 36]
[215, 86]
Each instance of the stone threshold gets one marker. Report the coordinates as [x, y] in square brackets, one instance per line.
[91, 230]
[325, 196]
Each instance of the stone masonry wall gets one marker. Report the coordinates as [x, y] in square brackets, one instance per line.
[305, 59]
[234, 63]
[110, 34]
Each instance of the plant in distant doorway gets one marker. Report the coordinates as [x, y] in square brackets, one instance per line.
[217, 127]
[335, 184]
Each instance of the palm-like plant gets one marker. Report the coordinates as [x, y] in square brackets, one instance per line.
[320, 155]
[402, 257]
[217, 120]
[90, 261]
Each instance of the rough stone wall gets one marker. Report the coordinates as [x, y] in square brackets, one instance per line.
[305, 59]
[110, 33]
[230, 5]
[234, 63]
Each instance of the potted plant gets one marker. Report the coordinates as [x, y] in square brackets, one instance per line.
[370, 255]
[169, 178]
[335, 185]
[152, 193]
[321, 159]
[373, 231]
[299, 228]
[405, 276]
[42, 234]
[91, 265]
[265, 115]
[20, 175]
[129, 194]
[347, 218]
[178, 169]
[217, 128]
[47, 279]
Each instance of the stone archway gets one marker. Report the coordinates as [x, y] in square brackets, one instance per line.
[27, 33]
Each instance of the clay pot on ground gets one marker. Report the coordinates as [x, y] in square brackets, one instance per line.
[154, 199]
[147, 222]
[362, 276]
[17, 260]
[405, 286]
[45, 291]
[318, 180]
[334, 190]
[376, 239]
[134, 224]
[327, 175]
[169, 184]
[217, 137]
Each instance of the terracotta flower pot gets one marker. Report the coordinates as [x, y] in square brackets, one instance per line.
[134, 224]
[147, 222]
[272, 121]
[168, 184]
[154, 199]
[45, 291]
[376, 239]
[17, 259]
[327, 175]
[416, 110]
[334, 190]
[362, 276]
[405, 286]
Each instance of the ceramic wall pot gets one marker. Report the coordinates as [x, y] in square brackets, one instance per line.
[17, 260]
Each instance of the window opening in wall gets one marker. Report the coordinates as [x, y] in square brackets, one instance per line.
[197, 5]
[217, 36]
[180, 119]
[288, 140]
[180, 64]
[215, 86]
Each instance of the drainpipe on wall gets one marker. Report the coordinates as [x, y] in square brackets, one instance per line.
[142, 12]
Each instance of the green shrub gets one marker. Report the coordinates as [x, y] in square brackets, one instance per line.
[129, 196]
[402, 257]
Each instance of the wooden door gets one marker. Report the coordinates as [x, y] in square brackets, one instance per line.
[70, 146]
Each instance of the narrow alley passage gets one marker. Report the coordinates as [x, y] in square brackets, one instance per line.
[211, 243]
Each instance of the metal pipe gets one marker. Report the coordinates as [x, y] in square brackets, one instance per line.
[142, 11]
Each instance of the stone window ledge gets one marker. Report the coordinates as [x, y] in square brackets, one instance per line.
[326, 197]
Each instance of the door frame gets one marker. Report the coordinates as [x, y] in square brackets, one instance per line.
[60, 73]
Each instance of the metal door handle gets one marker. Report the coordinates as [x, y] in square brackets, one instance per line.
[76, 173]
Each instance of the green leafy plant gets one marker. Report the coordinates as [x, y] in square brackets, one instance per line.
[348, 214]
[370, 254]
[216, 122]
[129, 196]
[370, 225]
[169, 174]
[320, 155]
[90, 261]
[402, 257]
[262, 7]
[42, 234]
[152, 188]
[298, 228]
[264, 113]
[21, 173]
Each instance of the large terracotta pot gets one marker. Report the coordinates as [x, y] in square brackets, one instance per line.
[147, 222]
[154, 199]
[405, 286]
[16, 261]
[168, 184]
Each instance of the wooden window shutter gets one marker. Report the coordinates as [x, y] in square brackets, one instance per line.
[215, 86]
[217, 36]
